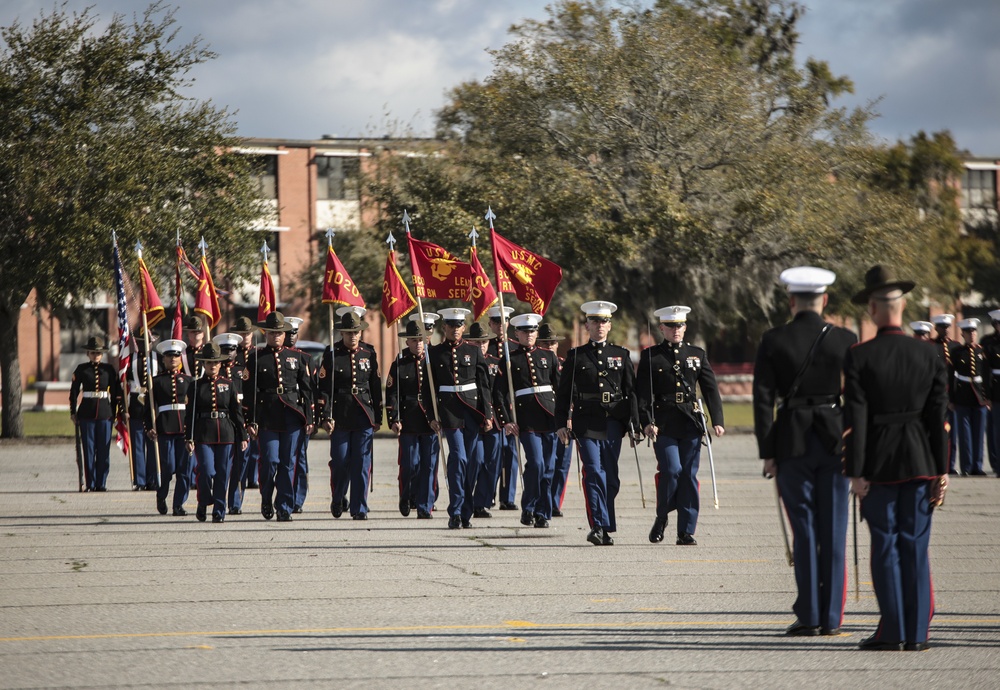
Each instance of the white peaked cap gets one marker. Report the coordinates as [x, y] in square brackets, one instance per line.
[943, 319]
[429, 317]
[454, 313]
[228, 340]
[294, 322]
[674, 314]
[358, 311]
[599, 308]
[969, 324]
[995, 315]
[807, 279]
[171, 347]
[921, 326]
[526, 320]
[494, 312]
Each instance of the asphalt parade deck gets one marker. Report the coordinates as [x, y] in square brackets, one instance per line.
[101, 591]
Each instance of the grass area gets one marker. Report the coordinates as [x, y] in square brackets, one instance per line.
[738, 415]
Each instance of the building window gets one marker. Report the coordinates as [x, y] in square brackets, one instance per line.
[337, 177]
[265, 169]
[979, 189]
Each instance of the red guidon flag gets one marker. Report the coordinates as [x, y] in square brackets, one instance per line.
[437, 273]
[531, 277]
[151, 305]
[397, 300]
[482, 295]
[268, 301]
[207, 300]
[338, 288]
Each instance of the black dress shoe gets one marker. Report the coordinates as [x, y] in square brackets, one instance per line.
[345, 503]
[686, 539]
[360, 516]
[423, 515]
[404, 506]
[267, 510]
[829, 632]
[104, 488]
[161, 505]
[916, 646]
[800, 629]
[873, 645]
[336, 508]
[297, 509]
[253, 485]
[454, 522]
[974, 473]
[526, 518]
[481, 513]
[541, 522]
[504, 505]
[596, 536]
[235, 511]
[200, 513]
[607, 540]
[556, 512]
[953, 473]
[284, 517]
[218, 518]
[466, 524]
[656, 533]
[180, 512]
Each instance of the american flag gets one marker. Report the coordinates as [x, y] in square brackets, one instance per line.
[124, 351]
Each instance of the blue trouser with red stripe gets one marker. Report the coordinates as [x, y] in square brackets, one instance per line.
[539, 464]
[600, 475]
[464, 458]
[677, 461]
[418, 454]
[214, 464]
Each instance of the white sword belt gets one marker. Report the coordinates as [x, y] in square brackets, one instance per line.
[96, 394]
[530, 391]
[170, 408]
[968, 379]
[458, 389]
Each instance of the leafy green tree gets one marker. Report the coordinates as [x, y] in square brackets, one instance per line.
[98, 137]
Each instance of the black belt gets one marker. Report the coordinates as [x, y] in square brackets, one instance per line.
[600, 397]
[280, 390]
[810, 401]
[896, 417]
[215, 414]
[678, 398]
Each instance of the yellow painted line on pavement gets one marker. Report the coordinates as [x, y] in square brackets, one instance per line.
[506, 625]
[721, 560]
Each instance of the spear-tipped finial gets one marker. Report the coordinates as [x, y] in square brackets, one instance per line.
[114, 238]
[178, 237]
[406, 221]
[490, 216]
[138, 248]
[473, 236]
[329, 236]
[203, 245]
[391, 241]
[264, 250]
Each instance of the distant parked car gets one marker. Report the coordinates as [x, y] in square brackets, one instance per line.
[312, 348]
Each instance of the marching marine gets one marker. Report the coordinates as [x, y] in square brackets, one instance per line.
[165, 425]
[492, 441]
[942, 324]
[507, 476]
[991, 348]
[229, 344]
[970, 386]
[548, 340]
[94, 398]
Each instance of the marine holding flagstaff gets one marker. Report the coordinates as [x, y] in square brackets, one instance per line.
[165, 425]
[230, 344]
[352, 414]
[460, 375]
[95, 397]
[534, 377]
[143, 452]
[279, 394]
[213, 423]
[302, 461]
[798, 370]
[670, 413]
[409, 414]
[896, 455]
[596, 403]
[507, 477]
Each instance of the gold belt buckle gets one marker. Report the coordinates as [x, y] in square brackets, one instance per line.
[280, 390]
[679, 398]
[605, 397]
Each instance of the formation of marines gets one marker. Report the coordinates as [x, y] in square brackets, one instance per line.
[226, 417]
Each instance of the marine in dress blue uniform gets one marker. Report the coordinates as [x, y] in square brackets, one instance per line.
[549, 340]
[991, 348]
[922, 330]
[669, 414]
[507, 477]
[491, 443]
[352, 416]
[802, 446]
[895, 400]
[460, 375]
[213, 424]
[409, 414]
[248, 480]
[942, 325]
[229, 344]
[534, 378]
[94, 398]
[164, 420]
[279, 398]
[301, 480]
[970, 387]
[143, 453]
[598, 385]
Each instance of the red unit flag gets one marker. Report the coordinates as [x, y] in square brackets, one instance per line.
[268, 300]
[397, 300]
[152, 307]
[531, 277]
[482, 295]
[338, 288]
[437, 273]
[207, 300]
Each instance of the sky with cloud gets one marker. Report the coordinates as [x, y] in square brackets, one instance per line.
[301, 69]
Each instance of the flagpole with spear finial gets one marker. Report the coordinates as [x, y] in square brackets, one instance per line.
[124, 382]
[490, 217]
[330, 233]
[203, 246]
[427, 363]
[391, 241]
[149, 373]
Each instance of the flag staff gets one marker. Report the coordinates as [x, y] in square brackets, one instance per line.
[333, 326]
[427, 363]
[391, 241]
[203, 246]
[149, 374]
[123, 308]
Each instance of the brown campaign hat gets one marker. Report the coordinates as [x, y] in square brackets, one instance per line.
[545, 332]
[242, 325]
[477, 332]
[95, 343]
[211, 353]
[412, 330]
[881, 277]
[351, 322]
[275, 321]
[192, 323]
